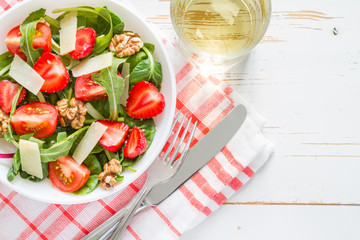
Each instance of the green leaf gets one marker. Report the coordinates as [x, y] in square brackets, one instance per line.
[5, 62]
[97, 149]
[81, 21]
[14, 169]
[61, 136]
[118, 24]
[27, 29]
[113, 85]
[102, 42]
[102, 158]
[119, 178]
[150, 47]
[54, 25]
[93, 164]
[90, 185]
[147, 70]
[60, 149]
[136, 59]
[9, 136]
[102, 106]
[25, 175]
[88, 13]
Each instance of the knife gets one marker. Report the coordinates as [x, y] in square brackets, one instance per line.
[200, 154]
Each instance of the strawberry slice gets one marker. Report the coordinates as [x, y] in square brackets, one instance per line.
[8, 91]
[115, 135]
[50, 67]
[145, 101]
[136, 143]
[85, 42]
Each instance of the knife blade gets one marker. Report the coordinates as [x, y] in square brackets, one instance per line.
[200, 154]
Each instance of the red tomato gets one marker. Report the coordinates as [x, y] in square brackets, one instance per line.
[67, 175]
[50, 67]
[35, 117]
[42, 39]
[88, 90]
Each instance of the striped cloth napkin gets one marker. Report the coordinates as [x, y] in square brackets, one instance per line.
[207, 100]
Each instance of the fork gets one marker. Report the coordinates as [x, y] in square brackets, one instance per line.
[161, 170]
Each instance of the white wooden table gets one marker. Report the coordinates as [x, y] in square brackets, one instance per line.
[306, 81]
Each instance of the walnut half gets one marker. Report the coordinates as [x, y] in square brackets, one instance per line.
[125, 44]
[4, 120]
[107, 177]
[73, 114]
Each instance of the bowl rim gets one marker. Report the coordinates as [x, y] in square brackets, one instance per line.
[159, 145]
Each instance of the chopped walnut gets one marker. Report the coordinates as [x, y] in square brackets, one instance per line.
[107, 177]
[73, 114]
[126, 44]
[4, 120]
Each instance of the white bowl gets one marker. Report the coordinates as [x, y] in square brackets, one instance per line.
[44, 191]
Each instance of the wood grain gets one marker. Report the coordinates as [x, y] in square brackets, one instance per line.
[305, 80]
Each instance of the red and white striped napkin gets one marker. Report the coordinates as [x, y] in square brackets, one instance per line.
[207, 100]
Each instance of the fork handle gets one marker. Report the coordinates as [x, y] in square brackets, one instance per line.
[101, 230]
[104, 230]
[132, 210]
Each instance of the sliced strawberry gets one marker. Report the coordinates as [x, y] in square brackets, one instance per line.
[85, 42]
[114, 137]
[50, 67]
[136, 143]
[145, 101]
[8, 91]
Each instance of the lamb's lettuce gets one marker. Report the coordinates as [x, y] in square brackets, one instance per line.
[146, 67]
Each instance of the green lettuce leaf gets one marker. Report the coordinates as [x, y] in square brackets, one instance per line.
[148, 70]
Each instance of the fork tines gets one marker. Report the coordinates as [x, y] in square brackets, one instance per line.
[180, 144]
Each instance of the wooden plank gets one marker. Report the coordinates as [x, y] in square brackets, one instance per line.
[305, 80]
[280, 222]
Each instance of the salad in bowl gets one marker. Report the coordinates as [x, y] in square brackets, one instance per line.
[78, 96]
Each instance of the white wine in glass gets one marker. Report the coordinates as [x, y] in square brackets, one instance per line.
[220, 29]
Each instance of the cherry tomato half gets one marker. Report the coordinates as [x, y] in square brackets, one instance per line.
[67, 175]
[35, 117]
